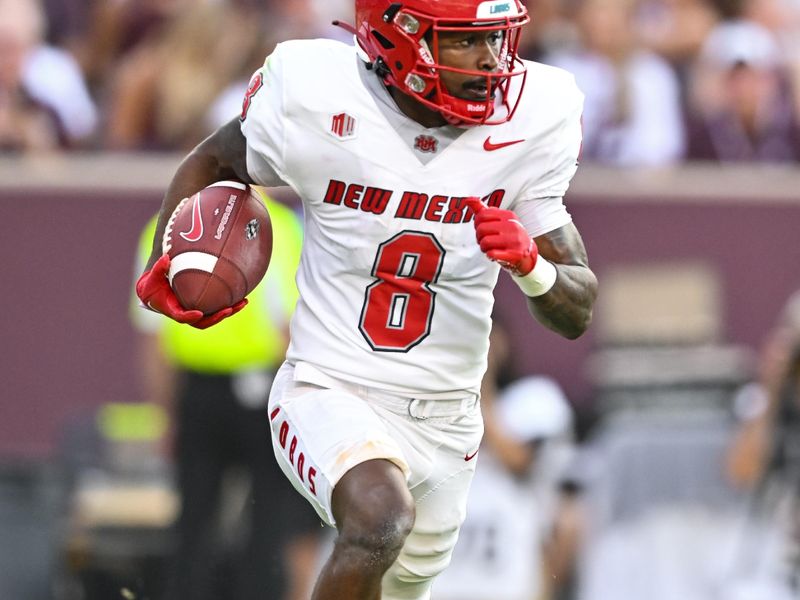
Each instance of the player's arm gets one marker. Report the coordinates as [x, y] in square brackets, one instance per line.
[552, 270]
[221, 156]
[566, 308]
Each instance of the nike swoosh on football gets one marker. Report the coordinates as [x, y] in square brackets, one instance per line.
[196, 231]
[469, 457]
[489, 146]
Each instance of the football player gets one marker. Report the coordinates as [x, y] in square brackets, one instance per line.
[428, 157]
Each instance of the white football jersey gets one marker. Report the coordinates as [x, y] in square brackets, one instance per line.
[394, 291]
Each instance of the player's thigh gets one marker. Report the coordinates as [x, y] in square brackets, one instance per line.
[319, 434]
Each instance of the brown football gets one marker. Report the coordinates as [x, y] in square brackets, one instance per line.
[220, 243]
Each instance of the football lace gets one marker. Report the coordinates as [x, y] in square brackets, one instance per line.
[166, 241]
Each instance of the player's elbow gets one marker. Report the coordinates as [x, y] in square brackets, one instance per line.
[570, 324]
[578, 326]
[223, 152]
[581, 317]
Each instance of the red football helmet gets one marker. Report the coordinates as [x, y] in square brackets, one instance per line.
[401, 40]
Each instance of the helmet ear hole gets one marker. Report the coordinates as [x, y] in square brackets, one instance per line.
[383, 40]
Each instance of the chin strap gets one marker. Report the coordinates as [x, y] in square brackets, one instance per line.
[346, 26]
[361, 42]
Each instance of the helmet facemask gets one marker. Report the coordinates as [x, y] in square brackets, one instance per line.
[461, 111]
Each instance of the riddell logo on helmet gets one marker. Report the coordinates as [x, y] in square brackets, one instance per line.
[425, 55]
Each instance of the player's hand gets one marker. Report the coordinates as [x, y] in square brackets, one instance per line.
[156, 294]
[210, 320]
[503, 239]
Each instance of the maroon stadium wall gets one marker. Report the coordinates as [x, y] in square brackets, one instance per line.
[69, 230]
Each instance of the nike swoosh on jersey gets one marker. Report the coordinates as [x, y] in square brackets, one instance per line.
[469, 457]
[196, 231]
[489, 146]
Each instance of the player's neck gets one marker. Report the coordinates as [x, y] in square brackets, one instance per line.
[416, 111]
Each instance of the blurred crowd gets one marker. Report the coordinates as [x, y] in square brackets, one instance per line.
[666, 81]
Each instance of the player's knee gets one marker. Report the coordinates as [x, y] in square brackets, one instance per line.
[377, 540]
[375, 518]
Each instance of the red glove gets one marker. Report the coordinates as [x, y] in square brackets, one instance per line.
[156, 294]
[503, 238]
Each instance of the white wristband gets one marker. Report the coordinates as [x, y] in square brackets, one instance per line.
[539, 280]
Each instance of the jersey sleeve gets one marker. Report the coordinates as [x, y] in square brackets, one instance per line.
[262, 121]
[564, 146]
[542, 215]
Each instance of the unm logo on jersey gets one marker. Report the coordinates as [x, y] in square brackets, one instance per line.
[343, 126]
[426, 143]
